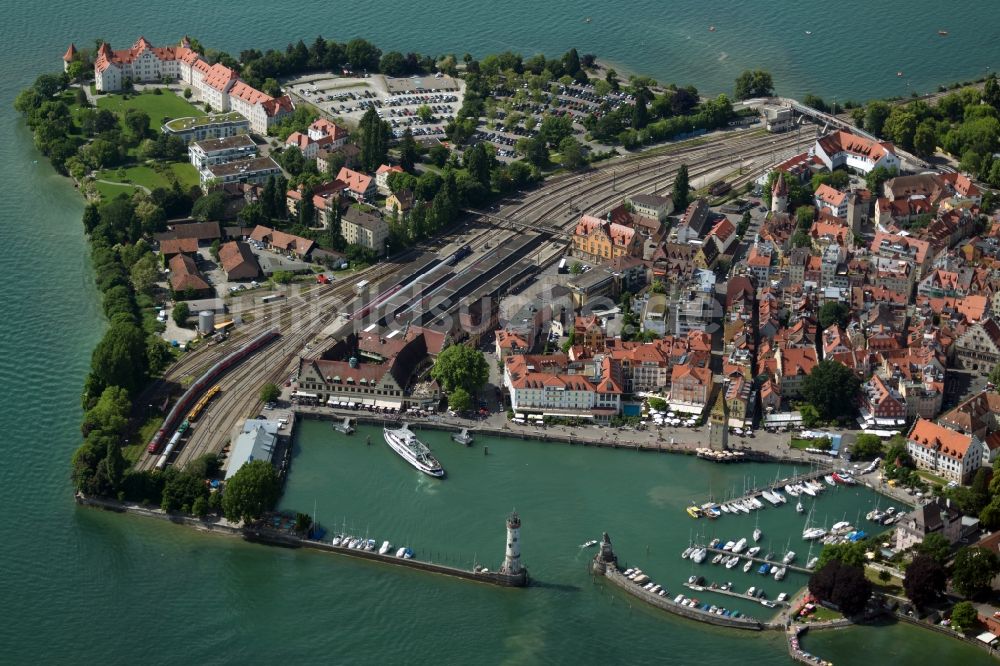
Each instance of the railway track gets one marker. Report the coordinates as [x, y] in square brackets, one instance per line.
[603, 186]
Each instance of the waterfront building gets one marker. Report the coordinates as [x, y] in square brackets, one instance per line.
[388, 380]
[69, 56]
[251, 170]
[777, 118]
[364, 229]
[953, 455]
[220, 151]
[216, 85]
[794, 365]
[690, 388]
[935, 517]
[213, 126]
[551, 385]
[844, 149]
[257, 440]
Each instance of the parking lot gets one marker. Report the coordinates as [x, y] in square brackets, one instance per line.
[398, 101]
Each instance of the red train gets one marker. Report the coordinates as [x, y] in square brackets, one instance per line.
[205, 382]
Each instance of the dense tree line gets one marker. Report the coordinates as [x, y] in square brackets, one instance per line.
[964, 123]
[677, 111]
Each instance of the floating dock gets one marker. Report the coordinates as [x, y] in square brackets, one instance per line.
[778, 485]
[730, 593]
[759, 560]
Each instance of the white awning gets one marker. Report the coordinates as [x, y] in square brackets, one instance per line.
[687, 409]
[986, 637]
[385, 404]
[302, 394]
[566, 415]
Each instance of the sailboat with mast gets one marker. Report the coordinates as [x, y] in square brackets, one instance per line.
[810, 533]
[757, 534]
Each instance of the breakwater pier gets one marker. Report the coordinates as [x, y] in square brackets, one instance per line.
[759, 560]
[510, 573]
[605, 564]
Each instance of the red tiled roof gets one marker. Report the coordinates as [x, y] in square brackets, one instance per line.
[219, 77]
[70, 53]
[845, 142]
[248, 93]
[355, 181]
[930, 435]
[619, 234]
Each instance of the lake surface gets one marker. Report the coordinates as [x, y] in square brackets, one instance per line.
[80, 585]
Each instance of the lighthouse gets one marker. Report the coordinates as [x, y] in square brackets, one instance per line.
[512, 557]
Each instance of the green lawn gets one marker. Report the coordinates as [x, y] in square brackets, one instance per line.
[931, 478]
[147, 177]
[112, 190]
[159, 107]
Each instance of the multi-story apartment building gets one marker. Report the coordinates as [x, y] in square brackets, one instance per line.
[220, 151]
[950, 454]
[364, 229]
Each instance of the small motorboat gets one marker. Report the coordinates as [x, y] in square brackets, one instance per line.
[386, 546]
[789, 557]
[812, 563]
[733, 561]
[591, 543]
[747, 566]
[401, 552]
[717, 558]
[729, 545]
[829, 480]
[369, 545]
[757, 534]
[739, 546]
[764, 569]
[753, 551]
[943, 33]
[900, 74]
[780, 573]
[711, 28]
[809, 32]
[336, 540]
[714, 543]
[408, 554]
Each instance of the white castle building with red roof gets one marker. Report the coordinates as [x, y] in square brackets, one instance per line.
[216, 85]
[863, 155]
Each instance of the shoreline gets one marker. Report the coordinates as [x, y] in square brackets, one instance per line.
[265, 536]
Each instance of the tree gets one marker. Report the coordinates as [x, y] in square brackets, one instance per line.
[925, 138]
[901, 126]
[572, 153]
[212, 206]
[640, 114]
[866, 447]
[459, 366]
[935, 546]
[180, 313]
[925, 580]
[804, 216]
[119, 359]
[973, 570]
[393, 63]
[373, 135]
[877, 176]
[554, 129]
[438, 155]
[756, 83]
[144, 274]
[252, 214]
[834, 312]
[269, 392]
[843, 585]
[459, 400]
[875, 116]
[136, 122]
[681, 191]
[801, 238]
[477, 163]
[964, 616]
[408, 153]
[534, 151]
[851, 553]
[991, 92]
[831, 387]
[251, 492]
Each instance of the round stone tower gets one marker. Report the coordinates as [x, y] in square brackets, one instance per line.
[779, 195]
[512, 556]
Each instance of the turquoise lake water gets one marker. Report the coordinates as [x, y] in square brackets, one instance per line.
[80, 586]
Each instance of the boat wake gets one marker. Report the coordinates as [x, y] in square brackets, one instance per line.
[723, 56]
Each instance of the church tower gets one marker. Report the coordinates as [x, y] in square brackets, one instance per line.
[779, 194]
[512, 556]
[718, 424]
